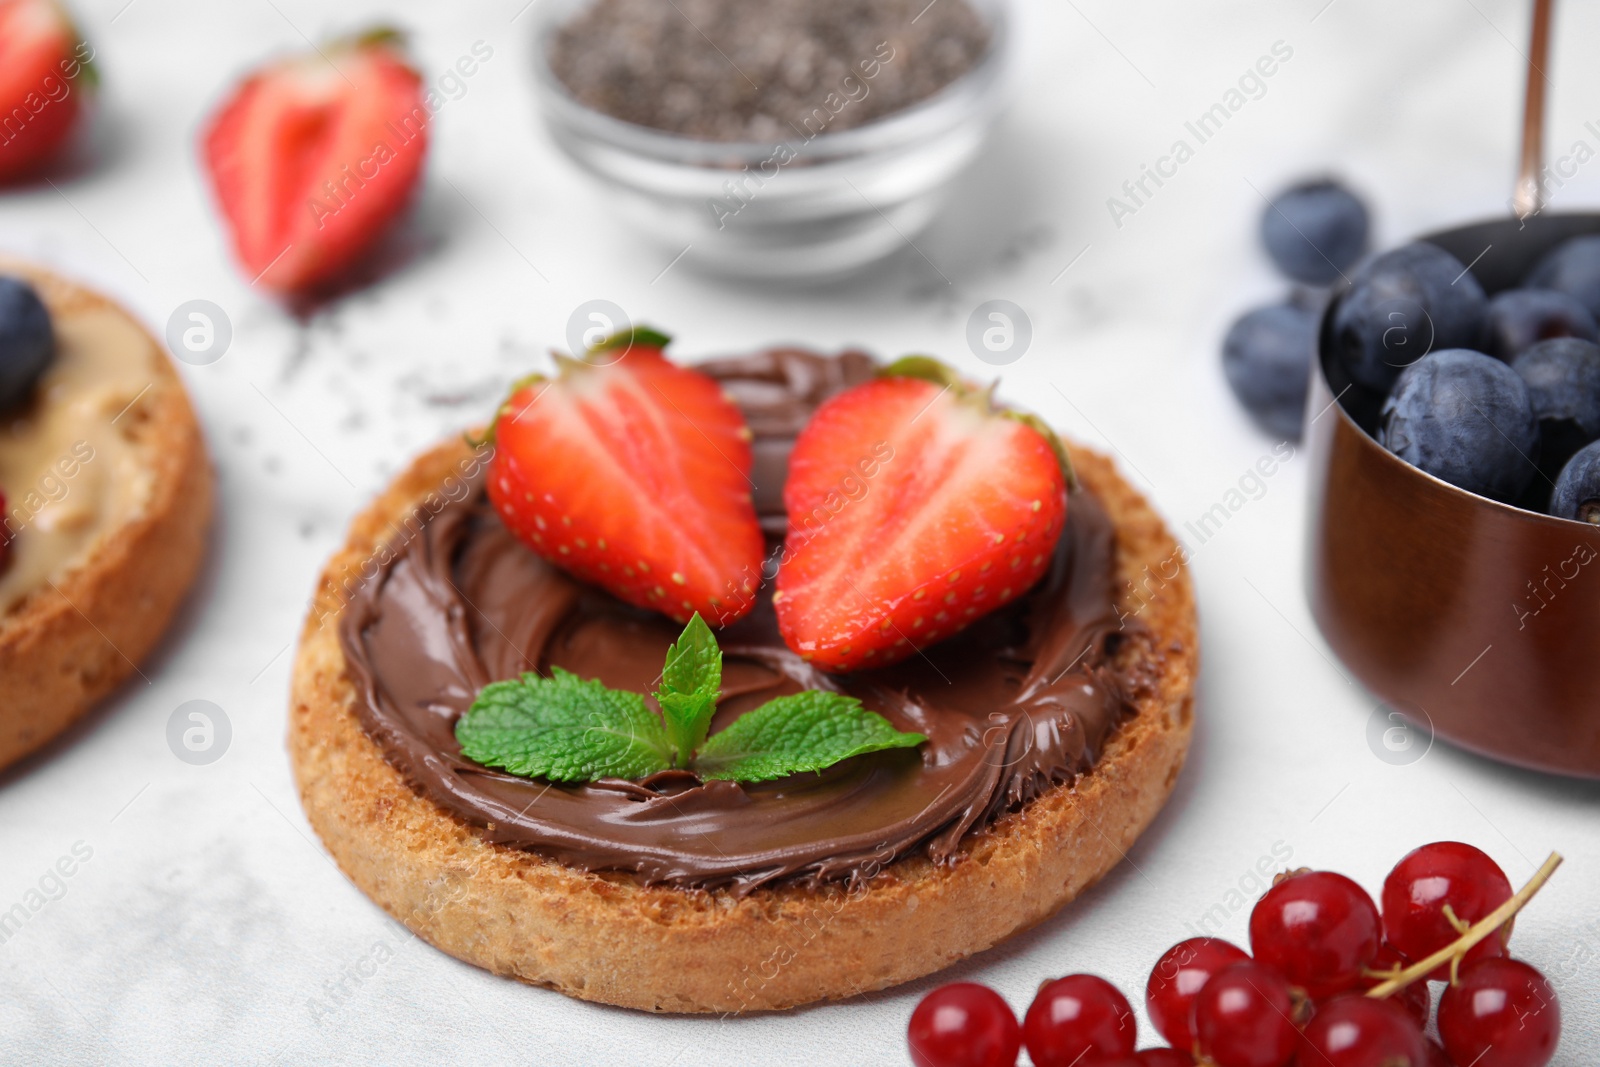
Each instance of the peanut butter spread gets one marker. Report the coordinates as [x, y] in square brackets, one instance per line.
[70, 467]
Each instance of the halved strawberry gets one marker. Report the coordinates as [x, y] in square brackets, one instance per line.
[634, 474]
[915, 506]
[45, 71]
[313, 157]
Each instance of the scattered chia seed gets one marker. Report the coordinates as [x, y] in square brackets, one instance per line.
[763, 70]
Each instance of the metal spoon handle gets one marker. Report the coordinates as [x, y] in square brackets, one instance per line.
[1529, 196]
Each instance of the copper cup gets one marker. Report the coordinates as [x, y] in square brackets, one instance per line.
[1474, 618]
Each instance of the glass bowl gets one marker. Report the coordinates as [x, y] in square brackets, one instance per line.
[806, 209]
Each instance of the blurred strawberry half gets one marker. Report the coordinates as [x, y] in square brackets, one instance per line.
[633, 473]
[915, 508]
[45, 71]
[314, 156]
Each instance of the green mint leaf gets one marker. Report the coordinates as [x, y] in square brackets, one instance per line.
[563, 729]
[694, 663]
[803, 732]
[690, 681]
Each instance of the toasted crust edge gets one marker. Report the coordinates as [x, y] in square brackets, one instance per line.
[605, 938]
[63, 649]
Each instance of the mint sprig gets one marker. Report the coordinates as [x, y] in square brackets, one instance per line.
[565, 729]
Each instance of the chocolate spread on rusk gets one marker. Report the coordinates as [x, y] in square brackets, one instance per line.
[1023, 699]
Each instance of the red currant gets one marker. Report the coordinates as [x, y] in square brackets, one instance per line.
[1436, 1056]
[963, 1025]
[1501, 1013]
[1163, 1057]
[1318, 929]
[1242, 1017]
[1078, 1019]
[1414, 998]
[1424, 882]
[1357, 1031]
[1178, 977]
[1150, 1057]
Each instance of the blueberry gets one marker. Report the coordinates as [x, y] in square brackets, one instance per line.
[1315, 231]
[1464, 417]
[1521, 317]
[1572, 267]
[26, 341]
[1404, 304]
[1577, 494]
[1267, 358]
[1563, 380]
[1309, 298]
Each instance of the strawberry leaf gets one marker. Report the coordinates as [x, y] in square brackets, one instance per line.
[88, 76]
[925, 367]
[525, 382]
[563, 729]
[690, 681]
[378, 36]
[803, 732]
[637, 335]
[1042, 428]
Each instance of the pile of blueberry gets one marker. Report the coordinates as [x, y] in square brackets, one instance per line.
[1304, 996]
[1498, 396]
[1314, 232]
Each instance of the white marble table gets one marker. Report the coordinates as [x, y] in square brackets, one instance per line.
[208, 925]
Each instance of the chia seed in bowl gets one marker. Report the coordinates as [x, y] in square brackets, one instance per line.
[781, 140]
[732, 70]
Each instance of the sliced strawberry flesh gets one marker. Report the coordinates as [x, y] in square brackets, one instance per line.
[312, 158]
[960, 519]
[635, 477]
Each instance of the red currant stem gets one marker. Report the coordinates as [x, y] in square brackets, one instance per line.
[1478, 932]
[1459, 924]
